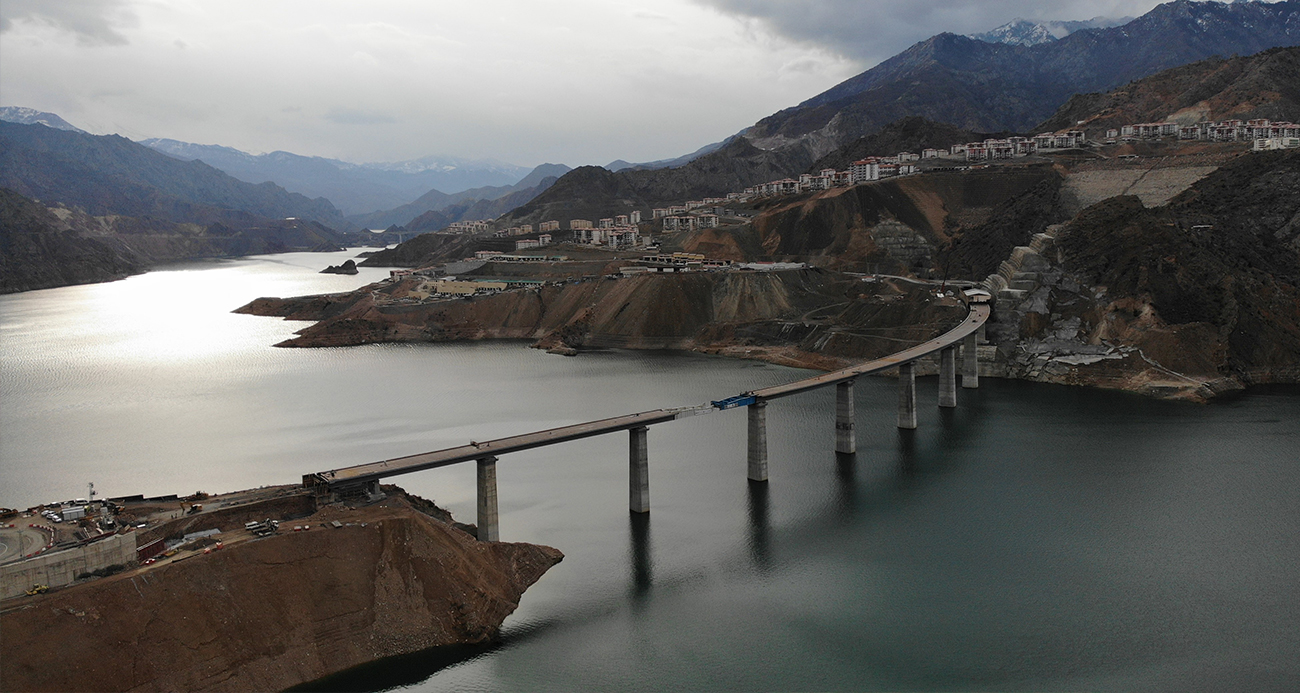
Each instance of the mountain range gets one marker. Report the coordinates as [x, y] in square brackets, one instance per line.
[113, 175]
[353, 188]
[475, 203]
[989, 87]
[1264, 85]
[1022, 32]
[971, 85]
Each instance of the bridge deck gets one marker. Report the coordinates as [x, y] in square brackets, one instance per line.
[978, 315]
[374, 471]
[441, 458]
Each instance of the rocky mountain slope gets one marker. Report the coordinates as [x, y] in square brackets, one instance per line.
[1264, 85]
[592, 192]
[1022, 32]
[44, 247]
[1223, 259]
[911, 134]
[31, 116]
[895, 226]
[990, 87]
[38, 251]
[113, 175]
[268, 614]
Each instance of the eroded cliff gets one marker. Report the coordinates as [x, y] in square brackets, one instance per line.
[264, 614]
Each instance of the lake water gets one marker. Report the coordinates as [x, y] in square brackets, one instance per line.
[1034, 538]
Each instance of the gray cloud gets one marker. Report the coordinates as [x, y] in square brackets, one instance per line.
[352, 116]
[872, 30]
[93, 22]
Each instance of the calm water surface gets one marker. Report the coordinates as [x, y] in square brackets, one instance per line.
[1035, 537]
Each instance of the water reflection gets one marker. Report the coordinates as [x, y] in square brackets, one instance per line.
[760, 525]
[642, 575]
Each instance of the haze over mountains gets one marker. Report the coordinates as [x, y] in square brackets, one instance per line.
[353, 188]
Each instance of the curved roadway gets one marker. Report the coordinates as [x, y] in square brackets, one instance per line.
[976, 316]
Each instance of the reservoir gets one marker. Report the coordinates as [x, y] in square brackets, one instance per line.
[1034, 538]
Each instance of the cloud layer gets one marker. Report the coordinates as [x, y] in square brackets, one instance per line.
[527, 81]
[870, 31]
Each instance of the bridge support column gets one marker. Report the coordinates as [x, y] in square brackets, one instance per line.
[638, 471]
[845, 440]
[948, 377]
[970, 357]
[758, 441]
[907, 396]
[488, 527]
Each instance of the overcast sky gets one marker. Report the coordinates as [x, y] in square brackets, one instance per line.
[523, 81]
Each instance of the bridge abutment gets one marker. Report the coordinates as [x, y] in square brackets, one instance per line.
[488, 527]
[970, 356]
[758, 441]
[907, 396]
[948, 377]
[638, 470]
[845, 438]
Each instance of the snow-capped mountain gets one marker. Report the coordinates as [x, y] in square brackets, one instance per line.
[31, 116]
[1022, 32]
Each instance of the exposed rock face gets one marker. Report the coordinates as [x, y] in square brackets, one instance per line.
[1263, 85]
[811, 318]
[348, 267]
[893, 226]
[38, 251]
[271, 613]
[1190, 300]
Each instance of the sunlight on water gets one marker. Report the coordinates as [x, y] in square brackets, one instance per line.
[1033, 538]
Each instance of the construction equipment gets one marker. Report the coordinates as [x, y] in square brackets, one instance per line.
[38, 589]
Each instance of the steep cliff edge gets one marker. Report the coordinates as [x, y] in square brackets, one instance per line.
[268, 613]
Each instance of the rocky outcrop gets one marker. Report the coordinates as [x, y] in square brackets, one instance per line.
[813, 318]
[266, 614]
[348, 267]
[892, 226]
[1190, 300]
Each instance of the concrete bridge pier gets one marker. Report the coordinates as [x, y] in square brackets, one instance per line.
[488, 527]
[758, 441]
[948, 377]
[970, 356]
[845, 439]
[907, 396]
[638, 470]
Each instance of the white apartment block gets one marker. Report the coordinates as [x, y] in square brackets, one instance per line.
[1267, 143]
[548, 226]
[634, 216]
[575, 224]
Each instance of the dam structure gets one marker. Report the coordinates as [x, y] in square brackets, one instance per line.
[363, 480]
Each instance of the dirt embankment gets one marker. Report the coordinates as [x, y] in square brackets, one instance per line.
[894, 226]
[813, 318]
[267, 614]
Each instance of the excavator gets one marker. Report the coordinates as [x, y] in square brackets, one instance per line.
[38, 589]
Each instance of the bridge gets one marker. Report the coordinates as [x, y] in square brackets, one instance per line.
[365, 478]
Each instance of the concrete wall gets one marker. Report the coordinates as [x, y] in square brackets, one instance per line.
[62, 567]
